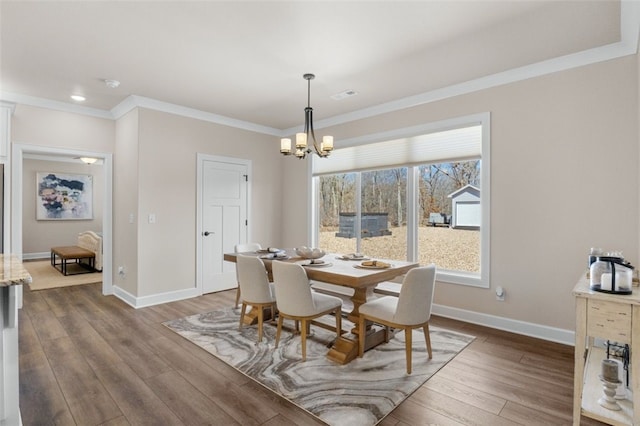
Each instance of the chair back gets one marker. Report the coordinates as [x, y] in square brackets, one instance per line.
[293, 290]
[416, 296]
[242, 248]
[253, 279]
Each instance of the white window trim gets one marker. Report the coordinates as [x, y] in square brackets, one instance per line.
[446, 276]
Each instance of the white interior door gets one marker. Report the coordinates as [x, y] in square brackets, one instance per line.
[224, 221]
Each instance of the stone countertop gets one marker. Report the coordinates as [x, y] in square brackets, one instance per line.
[12, 271]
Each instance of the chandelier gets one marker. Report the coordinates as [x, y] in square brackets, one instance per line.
[306, 141]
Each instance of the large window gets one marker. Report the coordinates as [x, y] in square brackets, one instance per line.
[337, 195]
[429, 202]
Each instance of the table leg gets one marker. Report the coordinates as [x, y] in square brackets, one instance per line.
[345, 348]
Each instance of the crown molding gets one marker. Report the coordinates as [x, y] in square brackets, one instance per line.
[575, 60]
[9, 105]
[134, 101]
[628, 45]
[54, 105]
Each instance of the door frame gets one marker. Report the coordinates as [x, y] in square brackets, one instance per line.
[200, 160]
[17, 156]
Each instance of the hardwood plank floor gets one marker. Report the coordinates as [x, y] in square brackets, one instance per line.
[88, 359]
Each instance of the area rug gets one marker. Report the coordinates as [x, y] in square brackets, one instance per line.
[44, 276]
[361, 392]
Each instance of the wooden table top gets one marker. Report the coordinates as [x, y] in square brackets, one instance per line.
[341, 272]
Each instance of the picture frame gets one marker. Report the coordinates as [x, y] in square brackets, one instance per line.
[64, 196]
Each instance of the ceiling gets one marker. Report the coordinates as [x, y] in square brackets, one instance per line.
[245, 60]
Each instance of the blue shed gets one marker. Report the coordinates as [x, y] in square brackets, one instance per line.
[465, 208]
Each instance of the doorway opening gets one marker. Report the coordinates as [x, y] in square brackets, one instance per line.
[18, 155]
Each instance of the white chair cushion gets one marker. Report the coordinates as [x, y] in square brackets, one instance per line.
[383, 308]
[324, 302]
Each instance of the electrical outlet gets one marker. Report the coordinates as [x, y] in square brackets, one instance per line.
[500, 294]
[121, 270]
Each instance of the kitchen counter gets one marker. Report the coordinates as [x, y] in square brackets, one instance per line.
[12, 275]
[12, 271]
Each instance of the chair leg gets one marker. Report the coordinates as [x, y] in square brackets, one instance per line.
[407, 337]
[339, 322]
[242, 309]
[237, 296]
[361, 335]
[260, 321]
[279, 329]
[427, 338]
[303, 339]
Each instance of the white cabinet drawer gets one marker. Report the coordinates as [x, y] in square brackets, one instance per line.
[609, 320]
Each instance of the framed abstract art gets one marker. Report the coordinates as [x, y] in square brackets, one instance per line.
[64, 196]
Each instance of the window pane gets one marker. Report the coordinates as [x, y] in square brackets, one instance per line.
[384, 212]
[337, 207]
[449, 231]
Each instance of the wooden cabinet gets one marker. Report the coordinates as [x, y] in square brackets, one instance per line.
[612, 317]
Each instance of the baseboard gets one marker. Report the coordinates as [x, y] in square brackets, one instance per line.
[36, 256]
[154, 299]
[552, 334]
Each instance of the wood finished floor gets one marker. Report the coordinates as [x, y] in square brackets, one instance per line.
[89, 359]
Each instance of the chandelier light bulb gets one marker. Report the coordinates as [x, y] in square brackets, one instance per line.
[285, 146]
[301, 140]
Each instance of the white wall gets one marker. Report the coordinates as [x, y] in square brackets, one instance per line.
[168, 145]
[45, 127]
[564, 178]
[125, 203]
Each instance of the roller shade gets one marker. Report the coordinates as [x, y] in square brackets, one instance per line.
[449, 145]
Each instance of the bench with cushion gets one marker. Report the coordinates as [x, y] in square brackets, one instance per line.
[75, 253]
[86, 255]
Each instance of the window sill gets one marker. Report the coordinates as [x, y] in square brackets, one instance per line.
[462, 278]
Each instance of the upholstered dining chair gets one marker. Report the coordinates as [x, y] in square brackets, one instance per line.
[243, 248]
[257, 291]
[298, 302]
[412, 309]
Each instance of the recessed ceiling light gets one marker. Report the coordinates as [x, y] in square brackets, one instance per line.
[345, 94]
[78, 98]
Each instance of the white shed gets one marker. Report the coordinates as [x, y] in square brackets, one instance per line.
[465, 208]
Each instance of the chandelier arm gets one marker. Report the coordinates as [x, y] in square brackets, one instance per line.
[308, 129]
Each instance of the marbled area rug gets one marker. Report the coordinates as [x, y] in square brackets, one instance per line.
[360, 393]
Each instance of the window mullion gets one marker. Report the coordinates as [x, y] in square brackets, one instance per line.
[412, 213]
[357, 226]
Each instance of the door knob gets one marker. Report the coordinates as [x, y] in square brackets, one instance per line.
[207, 233]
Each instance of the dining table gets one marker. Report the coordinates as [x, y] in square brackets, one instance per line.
[344, 271]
